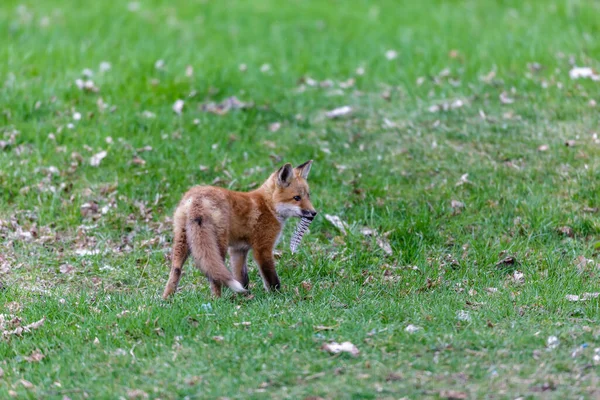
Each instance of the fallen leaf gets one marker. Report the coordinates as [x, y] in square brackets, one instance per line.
[583, 72]
[85, 85]
[275, 126]
[36, 356]
[444, 73]
[374, 331]
[138, 161]
[453, 395]
[489, 77]
[384, 244]
[506, 261]
[581, 263]
[104, 66]
[337, 222]
[97, 158]
[89, 209]
[567, 231]
[86, 252]
[24, 329]
[584, 297]
[391, 54]
[13, 306]
[120, 352]
[66, 269]
[222, 108]
[26, 384]
[345, 347]
[159, 64]
[144, 149]
[457, 103]
[368, 231]
[323, 328]
[517, 278]
[552, 342]
[347, 84]
[463, 180]
[505, 99]
[178, 106]
[137, 394]
[392, 377]
[339, 112]
[587, 296]
[430, 284]
[463, 315]
[535, 67]
[193, 380]
[457, 205]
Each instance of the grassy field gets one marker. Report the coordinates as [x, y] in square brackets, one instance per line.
[469, 149]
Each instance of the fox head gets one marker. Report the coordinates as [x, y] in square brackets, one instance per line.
[291, 195]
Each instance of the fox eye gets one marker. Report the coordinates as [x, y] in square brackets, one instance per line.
[297, 198]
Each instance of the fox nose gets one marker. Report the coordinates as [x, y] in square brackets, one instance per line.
[309, 213]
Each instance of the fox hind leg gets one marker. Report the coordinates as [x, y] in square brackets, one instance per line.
[215, 288]
[239, 266]
[179, 255]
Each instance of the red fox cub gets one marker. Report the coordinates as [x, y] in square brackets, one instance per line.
[210, 220]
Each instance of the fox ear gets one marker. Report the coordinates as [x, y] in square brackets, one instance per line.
[284, 175]
[304, 169]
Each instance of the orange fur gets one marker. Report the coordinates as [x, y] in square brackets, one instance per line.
[209, 221]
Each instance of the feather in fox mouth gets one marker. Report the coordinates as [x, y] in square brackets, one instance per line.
[299, 232]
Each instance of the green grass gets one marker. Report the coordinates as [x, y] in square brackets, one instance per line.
[398, 177]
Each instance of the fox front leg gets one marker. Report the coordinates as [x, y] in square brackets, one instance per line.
[266, 265]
